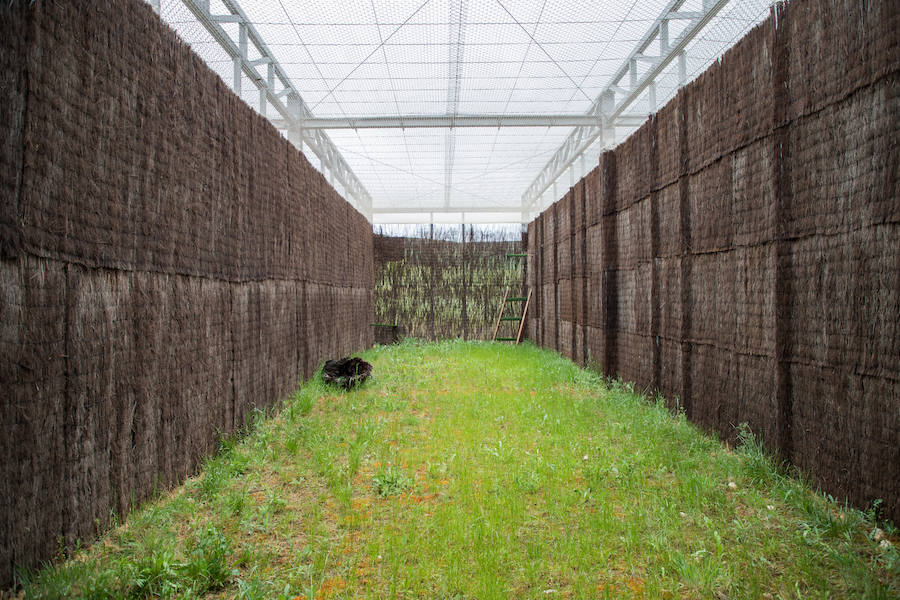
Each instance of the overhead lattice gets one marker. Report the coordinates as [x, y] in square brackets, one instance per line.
[539, 59]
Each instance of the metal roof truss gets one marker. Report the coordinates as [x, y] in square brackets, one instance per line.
[277, 91]
[611, 103]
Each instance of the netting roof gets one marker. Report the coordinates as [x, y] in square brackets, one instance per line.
[368, 58]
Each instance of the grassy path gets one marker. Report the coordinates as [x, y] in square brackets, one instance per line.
[483, 471]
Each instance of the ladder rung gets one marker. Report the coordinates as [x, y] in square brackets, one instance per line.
[510, 318]
[516, 299]
[504, 339]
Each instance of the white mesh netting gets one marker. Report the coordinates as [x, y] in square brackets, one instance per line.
[457, 57]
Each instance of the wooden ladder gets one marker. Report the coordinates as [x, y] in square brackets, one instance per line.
[520, 319]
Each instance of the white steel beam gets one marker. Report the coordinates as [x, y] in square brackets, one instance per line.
[273, 88]
[438, 217]
[454, 59]
[608, 112]
[459, 121]
[226, 18]
[455, 121]
[684, 16]
[439, 209]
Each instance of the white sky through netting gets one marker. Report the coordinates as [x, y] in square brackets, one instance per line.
[377, 58]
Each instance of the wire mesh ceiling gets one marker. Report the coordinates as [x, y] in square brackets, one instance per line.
[395, 58]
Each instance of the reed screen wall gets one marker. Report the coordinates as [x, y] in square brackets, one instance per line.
[169, 263]
[741, 251]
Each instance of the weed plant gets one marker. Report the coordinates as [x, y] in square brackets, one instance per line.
[479, 470]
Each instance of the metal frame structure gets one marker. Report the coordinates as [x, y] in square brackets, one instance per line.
[609, 106]
[286, 100]
[461, 210]
[635, 79]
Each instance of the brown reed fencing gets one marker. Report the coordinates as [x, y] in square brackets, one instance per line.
[740, 252]
[168, 263]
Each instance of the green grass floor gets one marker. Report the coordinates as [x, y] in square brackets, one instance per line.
[479, 470]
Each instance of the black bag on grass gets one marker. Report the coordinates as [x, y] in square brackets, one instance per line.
[346, 372]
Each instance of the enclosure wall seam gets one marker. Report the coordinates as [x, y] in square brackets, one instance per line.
[686, 255]
[781, 165]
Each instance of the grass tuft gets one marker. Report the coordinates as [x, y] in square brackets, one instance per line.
[390, 481]
[758, 466]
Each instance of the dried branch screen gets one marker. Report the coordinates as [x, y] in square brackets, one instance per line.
[441, 284]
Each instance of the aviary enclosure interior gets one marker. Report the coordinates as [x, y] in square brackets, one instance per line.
[170, 262]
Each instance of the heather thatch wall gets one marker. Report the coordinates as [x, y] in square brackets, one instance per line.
[168, 262]
[741, 251]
